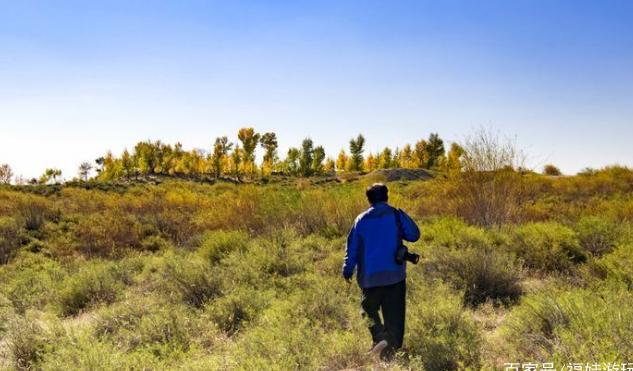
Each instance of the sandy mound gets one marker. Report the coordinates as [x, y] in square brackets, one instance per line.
[402, 174]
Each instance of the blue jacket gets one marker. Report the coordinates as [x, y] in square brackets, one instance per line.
[372, 244]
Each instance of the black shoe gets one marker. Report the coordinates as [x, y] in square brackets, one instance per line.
[377, 349]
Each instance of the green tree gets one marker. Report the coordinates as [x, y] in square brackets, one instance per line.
[385, 159]
[221, 148]
[435, 150]
[99, 161]
[127, 162]
[249, 139]
[50, 174]
[292, 161]
[305, 161]
[317, 160]
[356, 148]
[269, 143]
[236, 159]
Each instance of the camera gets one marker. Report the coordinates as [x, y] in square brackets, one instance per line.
[403, 254]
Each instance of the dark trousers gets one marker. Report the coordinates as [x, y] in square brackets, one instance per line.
[391, 301]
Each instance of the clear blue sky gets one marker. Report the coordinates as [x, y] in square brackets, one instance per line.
[78, 78]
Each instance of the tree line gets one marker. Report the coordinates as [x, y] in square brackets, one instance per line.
[238, 159]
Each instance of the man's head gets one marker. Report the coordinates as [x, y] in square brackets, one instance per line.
[377, 192]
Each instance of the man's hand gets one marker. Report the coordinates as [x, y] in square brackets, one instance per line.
[348, 280]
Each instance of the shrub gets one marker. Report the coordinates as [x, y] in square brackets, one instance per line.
[559, 326]
[107, 234]
[34, 212]
[551, 170]
[147, 323]
[6, 315]
[80, 351]
[189, 279]
[230, 311]
[32, 281]
[215, 245]
[597, 235]
[9, 239]
[450, 232]
[438, 330]
[154, 243]
[482, 273]
[616, 266]
[548, 246]
[93, 283]
[27, 343]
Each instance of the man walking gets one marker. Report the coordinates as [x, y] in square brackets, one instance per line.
[371, 248]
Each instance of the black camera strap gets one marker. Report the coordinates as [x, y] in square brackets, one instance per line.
[400, 233]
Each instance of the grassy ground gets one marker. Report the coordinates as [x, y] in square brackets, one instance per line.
[181, 275]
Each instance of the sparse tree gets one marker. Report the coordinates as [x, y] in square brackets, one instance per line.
[356, 148]
[370, 162]
[84, 170]
[406, 157]
[342, 161]
[420, 154]
[385, 160]
[268, 141]
[489, 191]
[292, 161]
[317, 160]
[127, 162]
[5, 174]
[454, 158]
[236, 160]
[249, 139]
[221, 148]
[329, 166]
[50, 173]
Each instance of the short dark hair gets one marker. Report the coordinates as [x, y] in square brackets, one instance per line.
[377, 192]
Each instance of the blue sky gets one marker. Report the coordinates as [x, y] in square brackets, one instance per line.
[78, 78]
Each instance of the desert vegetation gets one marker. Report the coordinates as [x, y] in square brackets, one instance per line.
[187, 274]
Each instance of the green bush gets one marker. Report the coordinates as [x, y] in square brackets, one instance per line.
[6, 315]
[34, 212]
[483, 274]
[232, 310]
[616, 266]
[598, 235]
[189, 279]
[548, 246]
[27, 342]
[94, 283]
[147, 323]
[438, 330]
[216, 244]
[32, 281]
[154, 243]
[9, 239]
[453, 233]
[575, 324]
